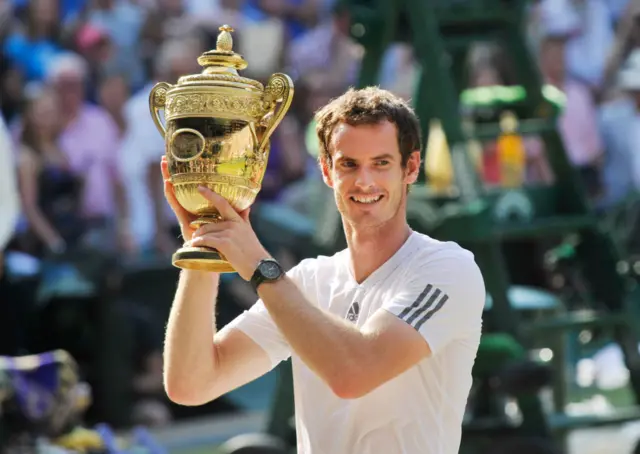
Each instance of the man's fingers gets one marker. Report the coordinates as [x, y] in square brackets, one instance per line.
[164, 168]
[171, 196]
[212, 227]
[212, 240]
[184, 217]
[220, 203]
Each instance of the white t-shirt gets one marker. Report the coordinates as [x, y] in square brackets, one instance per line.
[434, 286]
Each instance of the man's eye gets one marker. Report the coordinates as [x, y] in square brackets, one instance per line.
[348, 164]
[383, 162]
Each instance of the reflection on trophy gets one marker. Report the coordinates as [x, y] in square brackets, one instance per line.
[217, 133]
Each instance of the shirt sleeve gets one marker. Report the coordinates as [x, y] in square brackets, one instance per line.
[260, 327]
[443, 300]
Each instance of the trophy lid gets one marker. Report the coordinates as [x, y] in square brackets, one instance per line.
[220, 66]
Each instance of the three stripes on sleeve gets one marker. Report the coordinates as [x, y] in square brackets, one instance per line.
[429, 302]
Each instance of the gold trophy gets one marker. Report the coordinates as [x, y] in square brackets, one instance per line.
[218, 126]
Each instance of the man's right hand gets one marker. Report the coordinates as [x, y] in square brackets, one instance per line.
[184, 217]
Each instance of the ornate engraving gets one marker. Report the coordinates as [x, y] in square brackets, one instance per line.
[210, 104]
[279, 90]
[160, 97]
[276, 88]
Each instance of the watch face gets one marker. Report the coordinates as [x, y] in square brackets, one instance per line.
[270, 270]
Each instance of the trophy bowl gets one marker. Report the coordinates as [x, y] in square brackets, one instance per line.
[217, 126]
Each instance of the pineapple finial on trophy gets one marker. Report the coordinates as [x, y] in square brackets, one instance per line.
[224, 42]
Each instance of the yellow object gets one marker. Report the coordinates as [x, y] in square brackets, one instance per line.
[80, 439]
[511, 152]
[437, 164]
[217, 128]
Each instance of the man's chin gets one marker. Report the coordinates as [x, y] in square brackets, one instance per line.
[365, 220]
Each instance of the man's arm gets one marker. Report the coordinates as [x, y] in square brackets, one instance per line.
[441, 303]
[351, 361]
[201, 364]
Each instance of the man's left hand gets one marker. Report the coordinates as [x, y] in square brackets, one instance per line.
[233, 236]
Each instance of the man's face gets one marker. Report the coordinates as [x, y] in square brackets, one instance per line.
[366, 174]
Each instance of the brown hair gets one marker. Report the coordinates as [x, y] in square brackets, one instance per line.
[369, 106]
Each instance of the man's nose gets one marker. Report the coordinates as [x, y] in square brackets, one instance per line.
[364, 179]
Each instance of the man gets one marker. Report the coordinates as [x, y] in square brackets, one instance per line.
[383, 335]
[90, 141]
[578, 123]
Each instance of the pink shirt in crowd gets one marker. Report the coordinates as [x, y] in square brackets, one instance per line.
[91, 143]
[579, 125]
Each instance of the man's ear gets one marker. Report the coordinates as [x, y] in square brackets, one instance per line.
[325, 166]
[413, 168]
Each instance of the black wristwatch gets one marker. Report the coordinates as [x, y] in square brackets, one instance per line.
[268, 270]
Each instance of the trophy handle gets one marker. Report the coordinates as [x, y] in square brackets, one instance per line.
[279, 89]
[157, 99]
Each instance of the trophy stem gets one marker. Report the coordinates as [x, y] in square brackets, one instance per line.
[202, 258]
[205, 219]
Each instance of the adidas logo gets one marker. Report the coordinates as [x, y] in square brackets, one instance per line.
[354, 312]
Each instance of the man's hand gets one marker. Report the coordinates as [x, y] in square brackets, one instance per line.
[184, 217]
[233, 236]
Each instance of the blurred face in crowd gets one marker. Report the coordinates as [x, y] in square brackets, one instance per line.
[553, 60]
[11, 86]
[44, 12]
[367, 175]
[43, 113]
[342, 23]
[99, 51]
[273, 7]
[104, 4]
[187, 63]
[172, 8]
[113, 93]
[635, 96]
[70, 89]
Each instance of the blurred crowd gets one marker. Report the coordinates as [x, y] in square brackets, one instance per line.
[79, 152]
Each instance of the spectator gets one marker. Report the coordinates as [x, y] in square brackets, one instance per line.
[49, 189]
[578, 122]
[90, 140]
[11, 83]
[122, 21]
[95, 46]
[629, 80]
[33, 46]
[113, 93]
[587, 26]
[329, 49]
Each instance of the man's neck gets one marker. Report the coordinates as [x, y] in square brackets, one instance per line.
[370, 248]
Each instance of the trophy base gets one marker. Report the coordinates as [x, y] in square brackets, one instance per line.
[201, 259]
